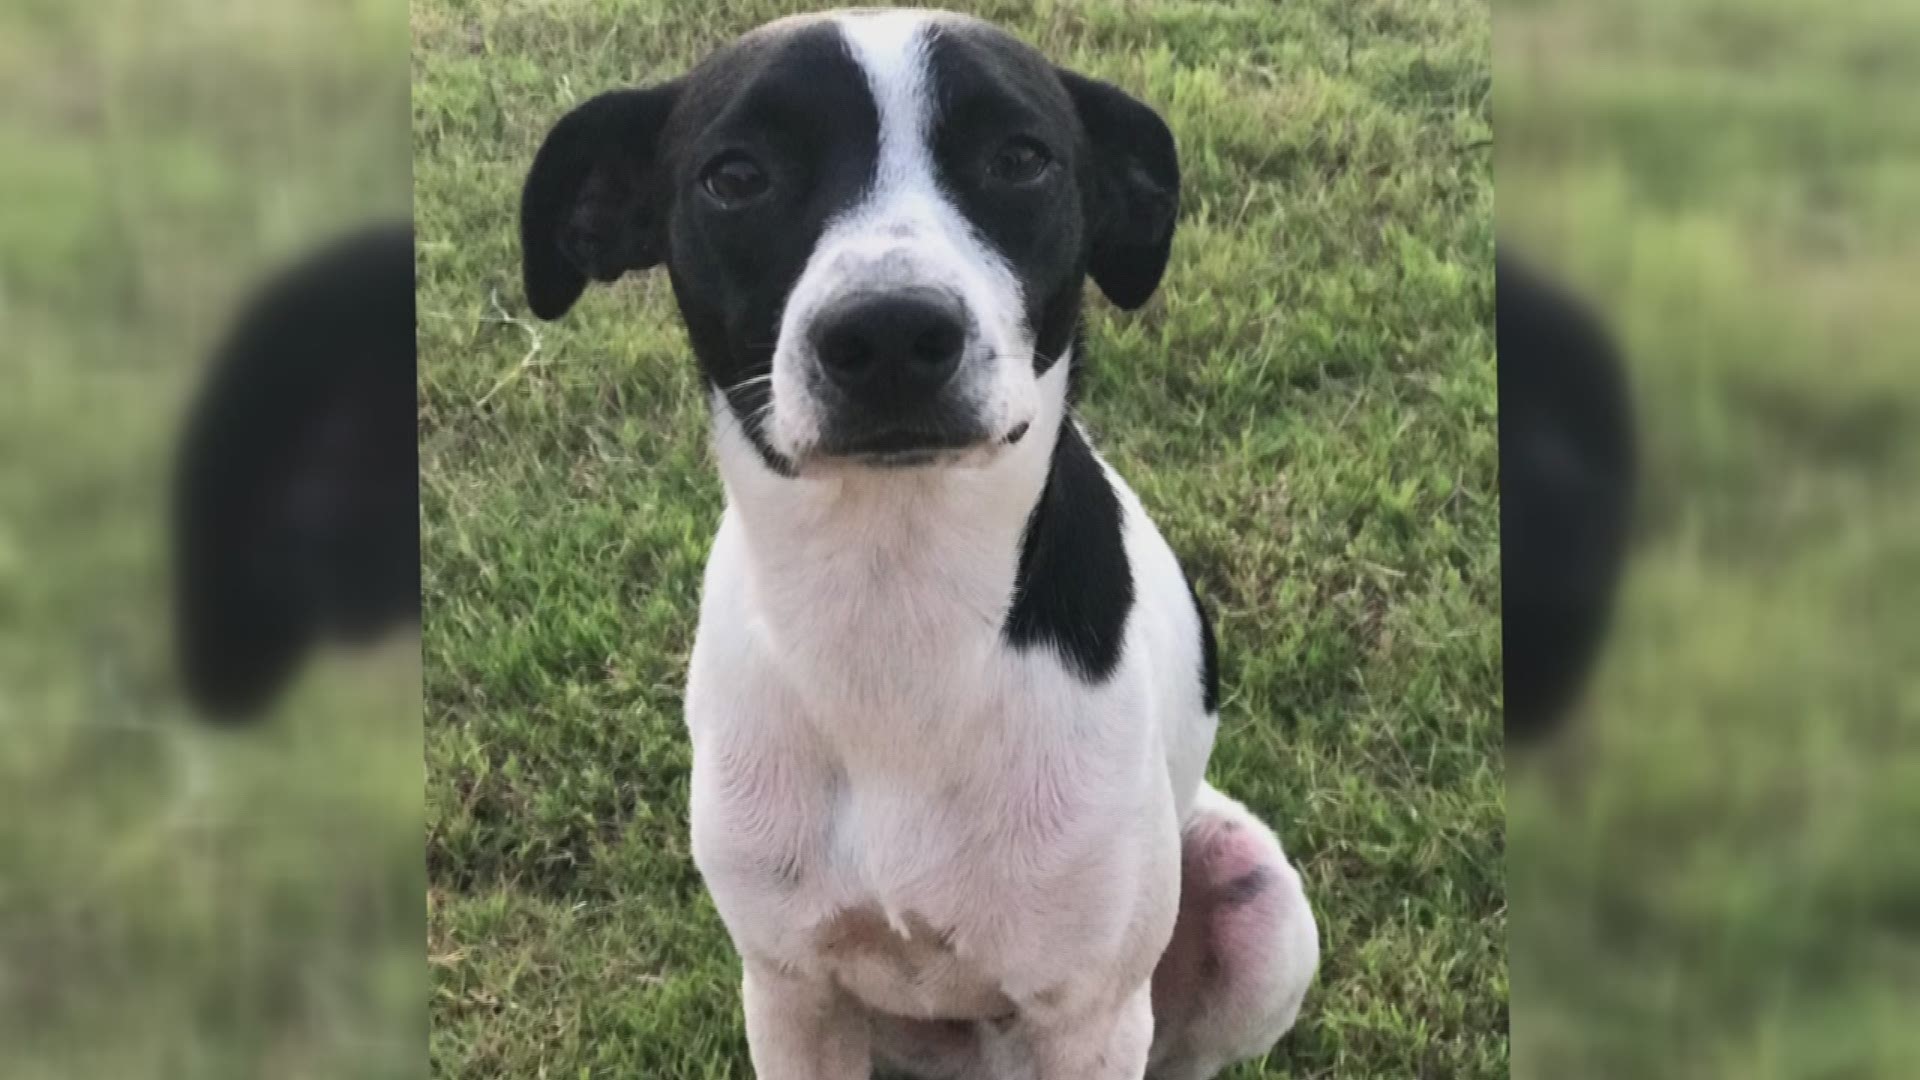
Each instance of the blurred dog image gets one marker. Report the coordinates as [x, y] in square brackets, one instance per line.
[1566, 492]
[297, 500]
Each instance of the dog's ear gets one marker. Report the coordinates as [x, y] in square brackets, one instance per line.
[296, 490]
[1134, 180]
[594, 201]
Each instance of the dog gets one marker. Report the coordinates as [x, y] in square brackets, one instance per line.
[951, 697]
[295, 516]
[1567, 477]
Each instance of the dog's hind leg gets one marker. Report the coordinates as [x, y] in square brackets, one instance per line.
[1243, 951]
[1229, 985]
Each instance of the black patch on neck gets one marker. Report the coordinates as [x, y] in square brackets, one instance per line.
[1073, 589]
[1209, 654]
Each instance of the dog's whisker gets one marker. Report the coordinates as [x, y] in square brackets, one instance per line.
[759, 415]
[743, 384]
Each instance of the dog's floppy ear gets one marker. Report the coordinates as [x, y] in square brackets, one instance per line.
[1134, 178]
[594, 202]
[296, 487]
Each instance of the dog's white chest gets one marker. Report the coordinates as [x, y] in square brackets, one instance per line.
[881, 918]
[925, 893]
[888, 796]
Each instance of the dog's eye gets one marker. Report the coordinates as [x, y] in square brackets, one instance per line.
[734, 179]
[1020, 161]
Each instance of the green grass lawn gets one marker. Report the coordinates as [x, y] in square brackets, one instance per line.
[1307, 409]
[1717, 877]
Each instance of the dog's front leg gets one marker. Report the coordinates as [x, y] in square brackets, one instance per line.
[1091, 1040]
[801, 1028]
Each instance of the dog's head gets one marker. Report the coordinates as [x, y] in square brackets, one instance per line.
[877, 226]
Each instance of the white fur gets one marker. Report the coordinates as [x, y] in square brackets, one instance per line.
[857, 716]
[905, 233]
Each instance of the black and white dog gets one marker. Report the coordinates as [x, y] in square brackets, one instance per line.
[952, 698]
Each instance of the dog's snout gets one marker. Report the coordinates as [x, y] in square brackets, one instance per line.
[904, 344]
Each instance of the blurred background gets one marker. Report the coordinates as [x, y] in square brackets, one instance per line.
[179, 899]
[1715, 863]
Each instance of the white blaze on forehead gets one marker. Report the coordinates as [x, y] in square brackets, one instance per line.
[891, 47]
[906, 201]
[905, 232]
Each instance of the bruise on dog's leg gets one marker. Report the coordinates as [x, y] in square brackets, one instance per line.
[1247, 887]
[1244, 947]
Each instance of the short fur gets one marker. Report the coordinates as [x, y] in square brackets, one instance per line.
[950, 701]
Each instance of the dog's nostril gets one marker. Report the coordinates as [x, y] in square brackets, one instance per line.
[907, 341]
[845, 351]
[937, 344]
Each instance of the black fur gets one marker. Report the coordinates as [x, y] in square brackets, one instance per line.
[1133, 177]
[296, 515]
[1074, 588]
[799, 104]
[1111, 213]
[1566, 478]
[1209, 654]
[590, 206]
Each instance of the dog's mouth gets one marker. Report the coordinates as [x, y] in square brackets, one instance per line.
[895, 442]
[900, 447]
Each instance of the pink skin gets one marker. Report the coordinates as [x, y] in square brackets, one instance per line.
[1232, 896]
[1224, 945]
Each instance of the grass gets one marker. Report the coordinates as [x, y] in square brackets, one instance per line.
[1307, 409]
[175, 903]
[1709, 879]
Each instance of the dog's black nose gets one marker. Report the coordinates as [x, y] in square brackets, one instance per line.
[903, 344]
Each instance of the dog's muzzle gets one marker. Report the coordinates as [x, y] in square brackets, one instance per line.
[891, 363]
